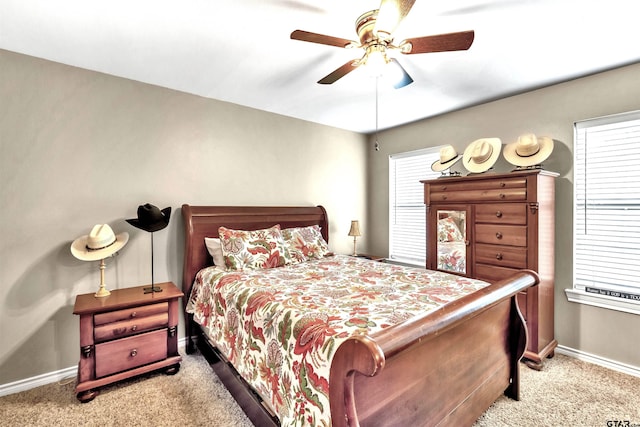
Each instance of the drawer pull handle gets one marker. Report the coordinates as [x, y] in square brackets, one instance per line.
[503, 184]
[498, 235]
[502, 195]
[444, 188]
[444, 197]
[499, 256]
[134, 352]
[134, 314]
[134, 328]
[498, 214]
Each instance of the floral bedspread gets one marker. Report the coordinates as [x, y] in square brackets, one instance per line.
[280, 327]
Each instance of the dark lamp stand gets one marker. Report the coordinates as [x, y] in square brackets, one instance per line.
[153, 288]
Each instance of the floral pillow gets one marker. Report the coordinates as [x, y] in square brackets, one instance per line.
[305, 243]
[448, 231]
[253, 249]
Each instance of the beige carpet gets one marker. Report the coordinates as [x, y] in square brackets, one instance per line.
[567, 392]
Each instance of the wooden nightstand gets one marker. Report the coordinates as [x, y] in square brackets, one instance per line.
[372, 257]
[125, 334]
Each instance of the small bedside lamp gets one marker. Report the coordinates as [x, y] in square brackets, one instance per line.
[355, 232]
[99, 244]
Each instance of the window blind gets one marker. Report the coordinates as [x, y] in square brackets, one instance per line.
[607, 205]
[407, 218]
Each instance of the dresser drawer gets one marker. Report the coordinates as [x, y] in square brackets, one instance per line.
[130, 313]
[504, 195]
[128, 327]
[127, 353]
[511, 235]
[503, 213]
[481, 184]
[492, 273]
[501, 256]
[508, 189]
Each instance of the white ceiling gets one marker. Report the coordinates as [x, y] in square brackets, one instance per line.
[240, 51]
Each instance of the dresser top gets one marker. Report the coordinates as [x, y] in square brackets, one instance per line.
[490, 175]
[126, 297]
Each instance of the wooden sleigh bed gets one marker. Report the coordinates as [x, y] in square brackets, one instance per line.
[443, 367]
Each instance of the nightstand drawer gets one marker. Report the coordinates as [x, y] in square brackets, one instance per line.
[502, 256]
[127, 353]
[504, 213]
[130, 313]
[129, 327]
[511, 235]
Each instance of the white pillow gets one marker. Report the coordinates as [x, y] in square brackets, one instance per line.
[215, 250]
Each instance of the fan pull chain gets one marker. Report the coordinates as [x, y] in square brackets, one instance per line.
[377, 145]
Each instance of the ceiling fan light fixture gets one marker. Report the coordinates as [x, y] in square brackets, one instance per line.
[376, 60]
[396, 76]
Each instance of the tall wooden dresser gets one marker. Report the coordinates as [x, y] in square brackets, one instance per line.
[487, 226]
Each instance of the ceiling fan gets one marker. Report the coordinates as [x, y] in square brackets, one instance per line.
[375, 29]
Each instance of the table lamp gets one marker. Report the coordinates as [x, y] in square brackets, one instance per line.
[355, 232]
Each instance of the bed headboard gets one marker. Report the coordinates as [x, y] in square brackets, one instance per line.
[204, 221]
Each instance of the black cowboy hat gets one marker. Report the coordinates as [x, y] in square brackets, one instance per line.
[151, 218]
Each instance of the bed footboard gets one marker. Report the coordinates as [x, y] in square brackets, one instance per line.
[447, 366]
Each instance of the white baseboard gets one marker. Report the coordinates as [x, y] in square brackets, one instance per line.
[601, 361]
[69, 374]
[63, 375]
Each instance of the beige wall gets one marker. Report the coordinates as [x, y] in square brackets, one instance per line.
[550, 111]
[80, 148]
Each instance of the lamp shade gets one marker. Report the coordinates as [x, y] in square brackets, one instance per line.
[355, 228]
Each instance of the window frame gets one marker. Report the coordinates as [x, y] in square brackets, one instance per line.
[429, 156]
[605, 295]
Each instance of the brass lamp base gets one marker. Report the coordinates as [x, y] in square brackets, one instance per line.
[102, 291]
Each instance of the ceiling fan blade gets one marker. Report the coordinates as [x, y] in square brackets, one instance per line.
[440, 43]
[339, 73]
[307, 36]
[390, 14]
[405, 79]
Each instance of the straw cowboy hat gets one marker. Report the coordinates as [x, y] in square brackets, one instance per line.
[151, 218]
[481, 154]
[528, 150]
[448, 157]
[100, 243]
